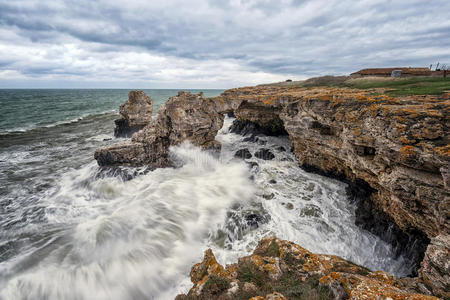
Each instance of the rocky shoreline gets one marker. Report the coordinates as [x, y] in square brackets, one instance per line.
[394, 153]
[280, 269]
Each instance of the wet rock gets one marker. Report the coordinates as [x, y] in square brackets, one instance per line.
[261, 141]
[243, 153]
[311, 211]
[135, 114]
[253, 164]
[408, 244]
[281, 149]
[290, 206]
[253, 220]
[264, 154]
[288, 269]
[272, 181]
[185, 117]
[269, 196]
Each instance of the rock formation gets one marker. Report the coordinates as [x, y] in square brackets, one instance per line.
[280, 269]
[393, 151]
[397, 148]
[135, 114]
[185, 117]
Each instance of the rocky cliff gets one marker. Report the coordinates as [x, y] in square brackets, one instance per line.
[185, 117]
[280, 269]
[396, 149]
[394, 152]
[135, 114]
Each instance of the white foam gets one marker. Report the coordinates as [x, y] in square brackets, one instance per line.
[132, 239]
[115, 239]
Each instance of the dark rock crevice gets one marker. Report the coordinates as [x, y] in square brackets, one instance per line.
[245, 127]
[411, 244]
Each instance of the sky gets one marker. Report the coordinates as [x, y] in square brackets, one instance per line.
[211, 43]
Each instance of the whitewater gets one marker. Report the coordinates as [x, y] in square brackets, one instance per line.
[73, 230]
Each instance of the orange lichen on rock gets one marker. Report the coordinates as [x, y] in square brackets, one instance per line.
[372, 286]
[443, 151]
[407, 152]
[295, 269]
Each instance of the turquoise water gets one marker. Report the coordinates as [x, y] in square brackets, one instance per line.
[22, 110]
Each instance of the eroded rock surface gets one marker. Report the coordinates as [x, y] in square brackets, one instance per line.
[435, 269]
[398, 147]
[280, 269]
[185, 117]
[135, 114]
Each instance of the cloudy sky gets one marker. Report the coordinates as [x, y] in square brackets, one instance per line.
[212, 43]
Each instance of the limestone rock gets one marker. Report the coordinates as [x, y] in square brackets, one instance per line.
[288, 269]
[435, 269]
[185, 117]
[135, 114]
[397, 147]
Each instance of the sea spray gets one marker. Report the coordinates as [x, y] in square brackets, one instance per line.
[71, 230]
[135, 238]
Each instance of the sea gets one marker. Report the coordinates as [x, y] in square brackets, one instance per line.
[72, 230]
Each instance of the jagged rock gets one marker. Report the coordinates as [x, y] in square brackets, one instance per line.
[243, 153]
[135, 114]
[265, 154]
[185, 117]
[288, 269]
[435, 269]
[398, 147]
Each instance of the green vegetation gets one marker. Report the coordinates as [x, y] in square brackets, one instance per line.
[249, 273]
[215, 285]
[292, 287]
[291, 260]
[273, 249]
[404, 86]
[397, 86]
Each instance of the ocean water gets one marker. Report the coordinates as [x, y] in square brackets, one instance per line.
[71, 230]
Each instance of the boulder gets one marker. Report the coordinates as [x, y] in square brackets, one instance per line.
[243, 153]
[135, 114]
[264, 154]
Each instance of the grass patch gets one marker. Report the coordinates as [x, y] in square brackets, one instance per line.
[292, 287]
[400, 86]
[273, 250]
[249, 273]
[405, 86]
[291, 260]
[215, 285]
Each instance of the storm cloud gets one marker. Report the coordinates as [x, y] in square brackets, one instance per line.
[206, 44]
